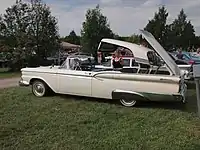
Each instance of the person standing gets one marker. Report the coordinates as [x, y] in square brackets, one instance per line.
[117, 60]
[198, 51]
[180, 54]
[99, 57]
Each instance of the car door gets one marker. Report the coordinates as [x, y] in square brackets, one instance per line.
[74, 82]
[103, 84]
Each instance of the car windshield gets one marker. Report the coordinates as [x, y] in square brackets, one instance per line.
[70, 62]
[74, 61]
[186, 56]
[64, 64]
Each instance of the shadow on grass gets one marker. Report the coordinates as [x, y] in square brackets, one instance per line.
[91, 99]
[190, 106]
[191, 85]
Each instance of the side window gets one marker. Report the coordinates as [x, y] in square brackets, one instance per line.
[107, 63]
[134, 64]
[126, 62]
[107, 47]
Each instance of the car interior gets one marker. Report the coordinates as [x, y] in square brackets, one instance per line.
[155, 62]
[89, 65]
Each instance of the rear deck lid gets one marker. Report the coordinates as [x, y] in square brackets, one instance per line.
[162, 52]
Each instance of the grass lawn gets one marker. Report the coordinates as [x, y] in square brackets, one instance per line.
[4, 73]
[64, 122]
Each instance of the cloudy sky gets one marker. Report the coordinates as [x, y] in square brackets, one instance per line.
[125, 16]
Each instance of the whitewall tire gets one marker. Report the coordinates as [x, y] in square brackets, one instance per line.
[128, 103]
[39, 88]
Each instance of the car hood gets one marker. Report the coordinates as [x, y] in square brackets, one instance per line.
[162, 52]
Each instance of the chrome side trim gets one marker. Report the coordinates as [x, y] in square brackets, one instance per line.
[144, 96]
[138, 77]
[130, 92]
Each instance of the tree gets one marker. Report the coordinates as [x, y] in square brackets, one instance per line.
[157, 26]
[197, 41]
[72, 38]
[134, 39]
[182, 31]
[94, 28]
[14, 25]
[28, 28]
[43, 29]
[121, 38]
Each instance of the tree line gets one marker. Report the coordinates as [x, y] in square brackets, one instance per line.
[180, 33]
[29, 32]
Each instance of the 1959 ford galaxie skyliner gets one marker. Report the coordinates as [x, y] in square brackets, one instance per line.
[74, 77]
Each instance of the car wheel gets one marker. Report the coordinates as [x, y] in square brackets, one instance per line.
[39, 88]
[127, 103]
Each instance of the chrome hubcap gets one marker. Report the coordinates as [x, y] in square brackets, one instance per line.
[38, 89]
[126, 102]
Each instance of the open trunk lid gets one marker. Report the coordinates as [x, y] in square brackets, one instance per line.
[162, 52]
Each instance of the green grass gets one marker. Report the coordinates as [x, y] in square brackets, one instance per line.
[64, 122]
[5, 73]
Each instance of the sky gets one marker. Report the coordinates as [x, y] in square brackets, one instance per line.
[125, 17]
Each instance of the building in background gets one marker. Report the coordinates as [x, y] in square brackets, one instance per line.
[70, 48]
[65, 50]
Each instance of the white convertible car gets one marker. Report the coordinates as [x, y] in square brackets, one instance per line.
[78, 76]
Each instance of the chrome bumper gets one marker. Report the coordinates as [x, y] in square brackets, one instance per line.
[23, 83]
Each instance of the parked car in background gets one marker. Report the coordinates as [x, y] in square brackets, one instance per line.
[189, 57]
[184, 65]
[195, 54]
[178, 61]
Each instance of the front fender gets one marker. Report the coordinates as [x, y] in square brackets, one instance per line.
[42, 79]
[30, 78]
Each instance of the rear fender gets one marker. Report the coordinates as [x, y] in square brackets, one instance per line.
[119, 94]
